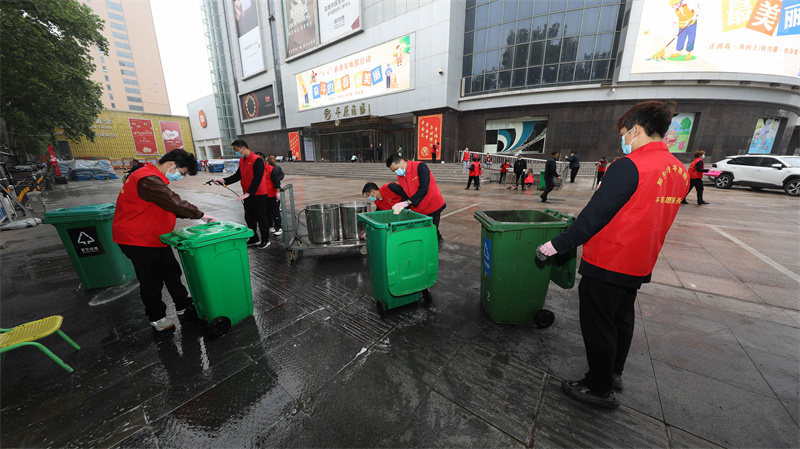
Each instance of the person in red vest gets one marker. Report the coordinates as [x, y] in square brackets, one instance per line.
[474, 173]
[465, 160]
[696, 170]
[504, 171]
[384, 196]
[146, 208]
[602, 165]
[434, 151]
[420, 191]
[255, 177]
[622, 230]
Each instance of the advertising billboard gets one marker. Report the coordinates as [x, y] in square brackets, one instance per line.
[294, 145]
[517, 135]
[258, 103]
[385, 68]
[144, 139]
[301, 26]
[764, 135]
[733, 36]
[429, 131]
[171, 135]
[246, 14]
[677, 136]
[338, 18]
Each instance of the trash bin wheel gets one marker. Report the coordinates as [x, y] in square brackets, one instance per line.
[544, 318]
[425, 298]
[363, 250]
[219, 326]
[382, 310]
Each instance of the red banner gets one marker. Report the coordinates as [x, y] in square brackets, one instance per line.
[294, 144]
[429, 131]
[143, 137]
[171, 135]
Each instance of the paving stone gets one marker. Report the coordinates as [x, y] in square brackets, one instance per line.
[782, 376]
[680, 439]
[724, 287]
[769, 337]
[777, 296]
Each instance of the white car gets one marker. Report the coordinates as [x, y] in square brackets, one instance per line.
[758, 172]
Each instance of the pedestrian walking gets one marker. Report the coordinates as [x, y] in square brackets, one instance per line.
[371, 153]
[434, 151]
[420, 191]
[384, 196]
[622, 230]
[602, 165]
[504, 171]
[276, 222]
[696, 170]
[465, 160]
[550, 175]
[145, 209]
[574, 165]
[520, 165]
[380, 151]
[474, 173]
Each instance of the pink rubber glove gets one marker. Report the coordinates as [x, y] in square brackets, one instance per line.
[399, 207]
[218, 181]
[243, 197]
[547, 249]
[208, 218]
[278, 196]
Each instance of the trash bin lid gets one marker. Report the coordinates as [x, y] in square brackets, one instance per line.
[206, 234]
[514, 220]
[386, 219]
[90, 212]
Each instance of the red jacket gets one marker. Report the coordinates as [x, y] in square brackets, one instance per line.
[475, 169]
[602, 166]
[631, 241]
[432, 202]
[693, 173]
[388, 198]
[246, 170]
[136, 221]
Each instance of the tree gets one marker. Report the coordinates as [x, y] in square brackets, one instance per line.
[686, 123]
[45, 69]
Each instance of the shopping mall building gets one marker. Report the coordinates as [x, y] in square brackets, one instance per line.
[329, 78]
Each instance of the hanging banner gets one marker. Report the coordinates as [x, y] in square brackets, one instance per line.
[308, 146]
[258, 103]
[429, 131]
[677, 136]
[338, 18]
[171, 135]
[294, 145]
[301, 26]
[144, 139]
[764, 135]
[252, 57]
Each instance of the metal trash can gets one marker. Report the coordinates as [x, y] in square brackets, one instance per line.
[353, 229]
[322, 221]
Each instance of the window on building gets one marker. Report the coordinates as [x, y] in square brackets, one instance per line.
[128, 72]
[111, 15]
[107, 78]
[126, 64]
[136, 108]
[129, 81]
[116, 35]
[102, 59]
[122, 45]
[124, 54]
[131, 90]
[517, 44]
[118, 26]
[113, 106]
[108, 86]
[113, 5]
[110, 96]
[104, 69]
[134, 99]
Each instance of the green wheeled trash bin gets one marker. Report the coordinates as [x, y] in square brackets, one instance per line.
[214, 259]
[86, 234]
[403, 257]
[514, 281]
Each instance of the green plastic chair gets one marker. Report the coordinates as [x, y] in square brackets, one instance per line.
[26, 334]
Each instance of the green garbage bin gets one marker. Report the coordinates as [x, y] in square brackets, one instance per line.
[514, 281]
[86, 234]
[214, 259]
[542, 184]
[403, 257]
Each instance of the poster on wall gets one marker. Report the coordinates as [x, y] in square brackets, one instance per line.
[379, 70]
[308, 147]
[171, 135]
[732, 36]
[429, 131]
[338, 18]
[258, 103]
[301, 26]
[294, 145]
[144, 139]
[517, 135]
[764, 135]
[677, 136]
[246, 14]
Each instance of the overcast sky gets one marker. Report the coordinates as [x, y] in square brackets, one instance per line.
[182, 44]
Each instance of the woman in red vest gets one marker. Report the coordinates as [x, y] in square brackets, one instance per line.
[419, 188]
[146, 209]
[384, 196]
[602, 164]
[504, 171]
[474, 173]
[465, 160]
[696, 170]
[256, 179]
[622, 230]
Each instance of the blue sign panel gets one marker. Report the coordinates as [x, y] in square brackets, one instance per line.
[487, 256]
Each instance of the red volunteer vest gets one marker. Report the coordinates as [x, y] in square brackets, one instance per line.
[388, 198]
[246, 170]
[432, 202]
[504, 167]
[466, 156]
[475, 171]
[693, 173]
[631, 241]
[601, 167]
[136, 221]
[435, 149]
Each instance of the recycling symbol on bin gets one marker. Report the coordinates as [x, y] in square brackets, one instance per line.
[84, 238]
[86, 241]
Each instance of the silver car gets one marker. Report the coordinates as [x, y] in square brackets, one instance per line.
[759, 172]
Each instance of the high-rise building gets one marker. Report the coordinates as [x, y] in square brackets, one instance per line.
[131, 74]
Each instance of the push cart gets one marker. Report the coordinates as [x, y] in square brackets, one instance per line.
[297, 238]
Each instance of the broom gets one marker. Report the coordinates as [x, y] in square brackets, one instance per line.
[660, 54]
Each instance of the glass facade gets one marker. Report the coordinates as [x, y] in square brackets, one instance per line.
[523, 44]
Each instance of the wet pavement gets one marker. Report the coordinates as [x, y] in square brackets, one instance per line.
[715, 360]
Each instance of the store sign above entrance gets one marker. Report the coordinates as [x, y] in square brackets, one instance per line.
[347, 111]
[380, 70]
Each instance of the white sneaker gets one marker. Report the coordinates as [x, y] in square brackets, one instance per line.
[271, 229]
[278, 232]
[162, 324]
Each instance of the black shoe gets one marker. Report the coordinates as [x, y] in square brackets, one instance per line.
[441, 243]
[545, 201]
[263, 244]
[616, 382]
[477, 188]
[580, 392]
[252, 241]
[684, 202]
[467, 188]
[704, 202]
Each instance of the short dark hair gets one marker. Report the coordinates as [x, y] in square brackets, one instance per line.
[393, 159]
[554, 152]
[654, 116]
[182, 159]
[239, 143]
[271, 155]
[699, 153]
[260, 154]
[369, 187]
[475, 158]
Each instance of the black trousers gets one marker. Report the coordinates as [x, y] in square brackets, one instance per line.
[437, 216]
[607, 320]
[600, 176]
[156, 267]
[520, 179]
[274, 212]
[549, 185]
[503, 177]
[697, 184]
[573, 173]
[256, 215]
[477, 180]
[433, 157]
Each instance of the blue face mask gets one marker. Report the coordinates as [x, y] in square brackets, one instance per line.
[372, 198]
[177, 176]
[400, 171]
[627, 148]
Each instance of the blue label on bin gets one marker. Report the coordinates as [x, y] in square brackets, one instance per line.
[487, 256]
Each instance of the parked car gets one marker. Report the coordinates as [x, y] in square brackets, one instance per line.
[759, 172]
